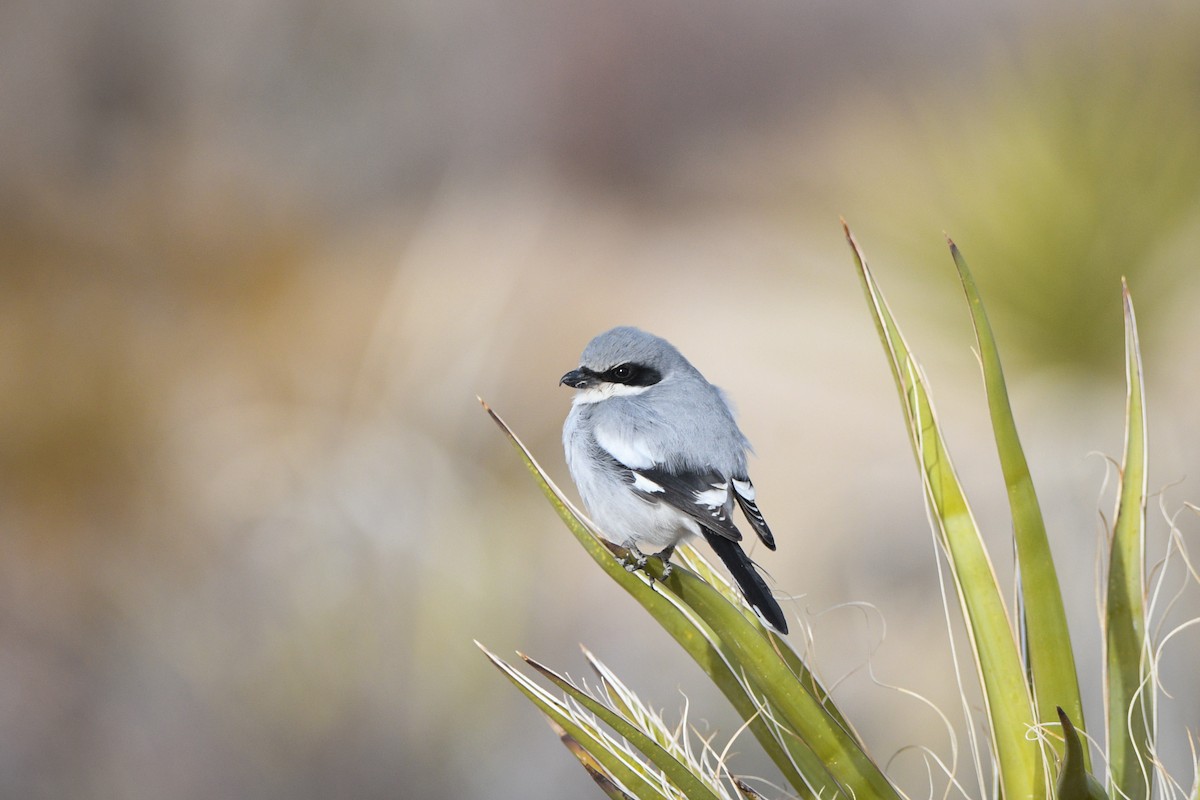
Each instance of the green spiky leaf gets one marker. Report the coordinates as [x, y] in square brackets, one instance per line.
[590, 764]
[1051, 658]
[674, 769]
[1006, 695]
[1129, 697]
[606, 755]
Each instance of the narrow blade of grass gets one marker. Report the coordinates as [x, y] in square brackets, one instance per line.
[1128, 696]
[593, 767]
[795, 760]
[616, 764]
[1006, 694]
[1051, 658]
[676, 772]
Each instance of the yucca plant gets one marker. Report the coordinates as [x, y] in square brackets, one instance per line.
[1026, 671]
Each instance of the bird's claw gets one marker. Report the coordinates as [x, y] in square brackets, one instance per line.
[664, 556]
[638, 560]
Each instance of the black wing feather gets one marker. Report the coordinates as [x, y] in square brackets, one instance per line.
[750, 509]
[679, 491]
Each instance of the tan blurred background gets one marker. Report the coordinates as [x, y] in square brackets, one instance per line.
[257, 258]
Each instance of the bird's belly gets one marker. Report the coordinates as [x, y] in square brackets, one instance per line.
[627, 519]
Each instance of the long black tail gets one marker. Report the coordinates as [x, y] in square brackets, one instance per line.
[753, 587]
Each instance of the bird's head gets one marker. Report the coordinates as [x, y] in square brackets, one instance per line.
[620, 362]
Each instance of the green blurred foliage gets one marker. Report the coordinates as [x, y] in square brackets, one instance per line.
[1074, 162]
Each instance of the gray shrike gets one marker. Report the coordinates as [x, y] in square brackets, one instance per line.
[657, 456]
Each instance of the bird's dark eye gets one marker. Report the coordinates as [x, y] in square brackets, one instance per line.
[633, 374]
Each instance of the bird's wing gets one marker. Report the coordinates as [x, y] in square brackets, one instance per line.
[743, 490]
[701, 494]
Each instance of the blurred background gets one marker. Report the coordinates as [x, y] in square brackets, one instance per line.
[258, 257]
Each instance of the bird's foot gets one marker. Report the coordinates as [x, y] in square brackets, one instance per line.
[637, 559]
[664, 555]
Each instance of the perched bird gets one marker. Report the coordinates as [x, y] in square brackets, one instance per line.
[657, 456]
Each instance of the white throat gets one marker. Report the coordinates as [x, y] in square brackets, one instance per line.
[604, 391]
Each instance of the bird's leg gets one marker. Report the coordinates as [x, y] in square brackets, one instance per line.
[639, 558]
[665, 556]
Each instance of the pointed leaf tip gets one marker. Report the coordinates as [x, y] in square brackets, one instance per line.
[852, 241]
[495, 659]
[491, 413]
[1074, 782]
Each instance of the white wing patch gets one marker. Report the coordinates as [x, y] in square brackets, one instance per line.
[632, 453]
[644, 484]
[716, 497]
[745, 489]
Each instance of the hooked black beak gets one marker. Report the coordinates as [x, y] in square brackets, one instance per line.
[578, 379]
